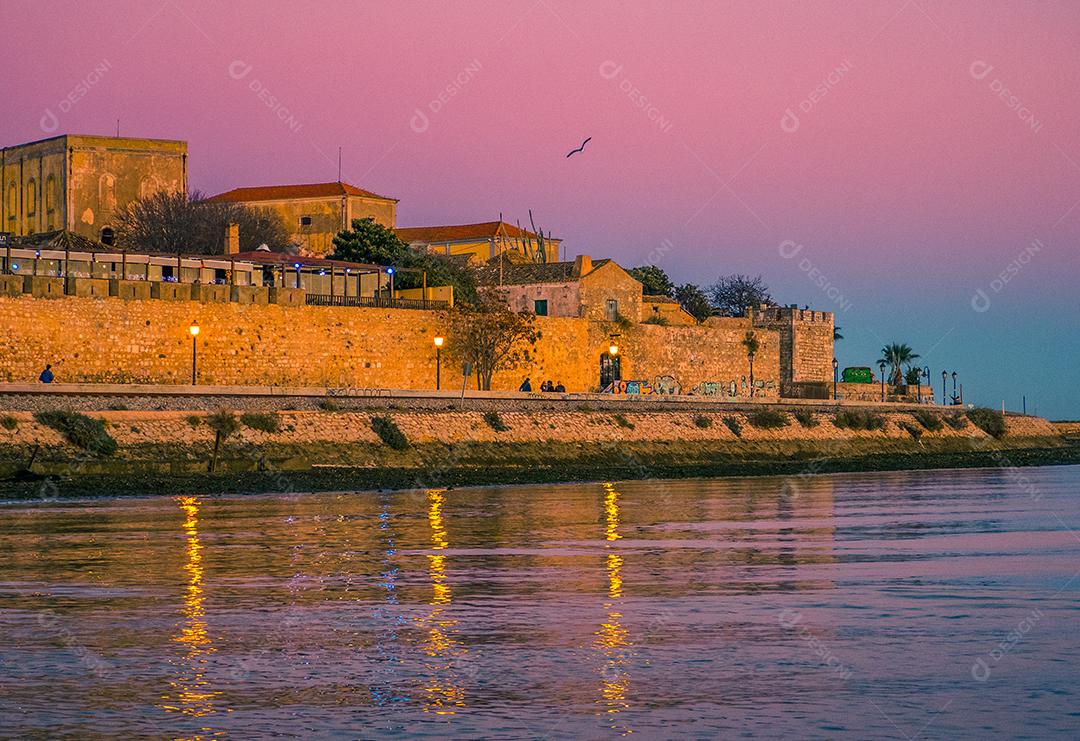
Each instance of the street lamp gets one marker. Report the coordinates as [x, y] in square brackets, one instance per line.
[954, 397]
[926, 373]
[835, 376]
[944, 375]
[194, 331]
[438, 363]
[750, 357]
[881, 367]
[390, 272]
[613, 349]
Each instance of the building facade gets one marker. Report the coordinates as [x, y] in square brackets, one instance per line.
[481, 241]
[314, 213]
[80, 183]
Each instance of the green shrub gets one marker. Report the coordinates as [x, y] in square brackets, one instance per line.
[622, 421]
[956, 421]
[914, 430]
[930, 420]
[734, 425]
[859, 419]
[223, 423]
[495, 422]
[328, 405]
[990, 421]
[262, 422]
[194, 420]
[84, 432]
[768, 419]
[702, 421]
[660, 321]
[389, 433]
[8, 422]
[584, 407]
[805, 418]
[118, 407]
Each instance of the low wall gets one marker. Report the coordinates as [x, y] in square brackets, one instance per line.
[113, 340]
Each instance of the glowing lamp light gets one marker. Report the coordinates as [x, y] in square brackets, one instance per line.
[389, 271]
[613, 349]
[37, 253]
[438, 341]
[194, 329]
[296, 265]
[14, 266]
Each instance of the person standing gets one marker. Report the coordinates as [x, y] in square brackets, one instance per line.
[47, 374]
[525, 386]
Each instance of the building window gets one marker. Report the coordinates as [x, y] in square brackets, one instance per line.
[13, 200]
[108, 236]
[305, 221]
[50, 194]
[540, 306]
[611, 311]
[31, 197]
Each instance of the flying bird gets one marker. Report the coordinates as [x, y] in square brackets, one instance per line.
[581, 148]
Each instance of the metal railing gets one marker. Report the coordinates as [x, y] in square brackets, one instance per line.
[378, 302]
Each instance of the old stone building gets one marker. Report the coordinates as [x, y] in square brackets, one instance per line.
[599, 290]
[665, 310]
[806, 347]
[316, 212]
[79, 183]
[482, 241]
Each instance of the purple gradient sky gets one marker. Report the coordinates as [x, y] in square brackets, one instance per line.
[910, 184]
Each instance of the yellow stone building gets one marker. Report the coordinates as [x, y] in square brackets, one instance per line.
[314, 213]
[79, 183]
[482, 241]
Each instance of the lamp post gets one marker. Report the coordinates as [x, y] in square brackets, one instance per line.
[438, 363]
[194, 331]
[835, 376]
[881, 367]
[954, 397]
[390, 272]
[926, 372]
[944, 375]
[750, 357]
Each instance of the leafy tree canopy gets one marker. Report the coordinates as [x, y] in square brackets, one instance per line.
[732, 294]
[654, 280]
[694, 301]
[490, 337]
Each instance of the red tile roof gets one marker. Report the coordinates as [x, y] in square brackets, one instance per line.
[289, 192]
[463, 232]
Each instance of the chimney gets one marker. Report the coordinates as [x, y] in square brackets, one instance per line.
[232, 239]
[582, 266]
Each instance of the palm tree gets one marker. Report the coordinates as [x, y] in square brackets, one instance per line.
[752, 345]
[836, 334]
[896, 356]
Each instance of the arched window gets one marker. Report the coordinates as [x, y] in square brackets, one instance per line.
[108, 236]
[50, 194]
[31, 197]
[13, 202]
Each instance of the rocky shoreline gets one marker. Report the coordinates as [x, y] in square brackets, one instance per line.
[172, 452]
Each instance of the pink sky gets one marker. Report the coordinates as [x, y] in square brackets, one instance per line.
[910, 183]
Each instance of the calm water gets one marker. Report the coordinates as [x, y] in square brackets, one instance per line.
[922, 605]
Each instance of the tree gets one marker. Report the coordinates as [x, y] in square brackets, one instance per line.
[654, 281]
[694, 301]
[896, 356]
[370, 242]
[836, 334]
[490, 337]
[180, 223]
[752, 345]
[732, 294]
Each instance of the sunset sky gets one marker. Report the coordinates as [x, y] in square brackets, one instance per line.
[887, 160]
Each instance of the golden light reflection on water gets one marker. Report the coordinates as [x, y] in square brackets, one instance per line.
[613, 638]
[443, 691]
[191, 693]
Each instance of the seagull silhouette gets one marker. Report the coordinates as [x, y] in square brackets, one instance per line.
[581, 148]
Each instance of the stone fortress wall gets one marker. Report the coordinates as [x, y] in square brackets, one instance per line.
[141, 340]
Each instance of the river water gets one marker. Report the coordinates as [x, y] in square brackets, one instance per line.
[932, 604]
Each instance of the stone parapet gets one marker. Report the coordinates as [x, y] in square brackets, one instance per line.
[129, 290]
